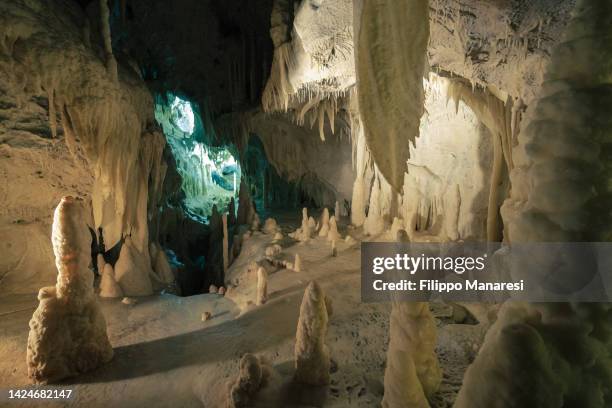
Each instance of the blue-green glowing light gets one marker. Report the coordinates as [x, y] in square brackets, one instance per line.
[182, 115]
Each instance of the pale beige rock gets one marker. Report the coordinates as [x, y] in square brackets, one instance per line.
[324, 222]
[262, 286]
[312, 361]
[297, 264]
[221, 291]
[109, 288]
[412, 373]
[334, 250]
[333, 234]
[270, 226]
[273, 250]
[212, 289]
[132, 271]
[253, 375]
[68, 331]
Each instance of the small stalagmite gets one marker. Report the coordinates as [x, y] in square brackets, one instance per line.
[312, 223]
[262, 286]
[109, 288]
[297, 264]
[333, 234]
[270, 226]
[324, 223]
[334, 250]
[337, 210]
[252, 376]
[68, 330]
[312, 361]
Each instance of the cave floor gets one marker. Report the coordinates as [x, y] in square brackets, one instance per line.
[166, 356]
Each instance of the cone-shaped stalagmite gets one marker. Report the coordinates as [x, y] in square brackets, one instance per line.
[68, 331]
[311, 354]
[262, 286]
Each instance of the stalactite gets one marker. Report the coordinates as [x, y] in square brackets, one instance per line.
[390, 77]
[111, 63]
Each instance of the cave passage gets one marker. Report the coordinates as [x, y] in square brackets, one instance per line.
[210, 174]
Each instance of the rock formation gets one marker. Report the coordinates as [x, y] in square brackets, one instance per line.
[312, 361]
[412, 373]
[252, 376]
[270, 226]
[67, 330]
[132, 272]
[333, 234]
[324, 223]
[109, 288]
[262, 286]
[297, 263]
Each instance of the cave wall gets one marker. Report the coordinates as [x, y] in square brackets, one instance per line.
[73, 124]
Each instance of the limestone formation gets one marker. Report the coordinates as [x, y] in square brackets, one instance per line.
[333, 234]
[68, 331]
[270, 226]
[297, 263]
[324, 223]
[109, 288]
[312, 361]
[273, 250]
[334, 250]
[252, 376]
[262, 286]
[412, 373]
[132, 271]
[212, 289]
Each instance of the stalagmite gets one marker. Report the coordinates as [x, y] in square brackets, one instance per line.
[225, 244]
[212, 289]
[277, 237]
[297, 263]
[132, 272]
[109, 288]
[68, 331]
[262, 286]
[333, 234]
[312, 224]
[337, 212]
[270, 226]
[334, 250]
[412, 373]
[312, 361]
[324, 223]
[374, 223]
[253, 375]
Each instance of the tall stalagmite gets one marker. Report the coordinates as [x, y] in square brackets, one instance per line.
[68, 331]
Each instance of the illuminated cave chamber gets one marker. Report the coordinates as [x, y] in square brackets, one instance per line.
[210, 175]
[315, 118]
